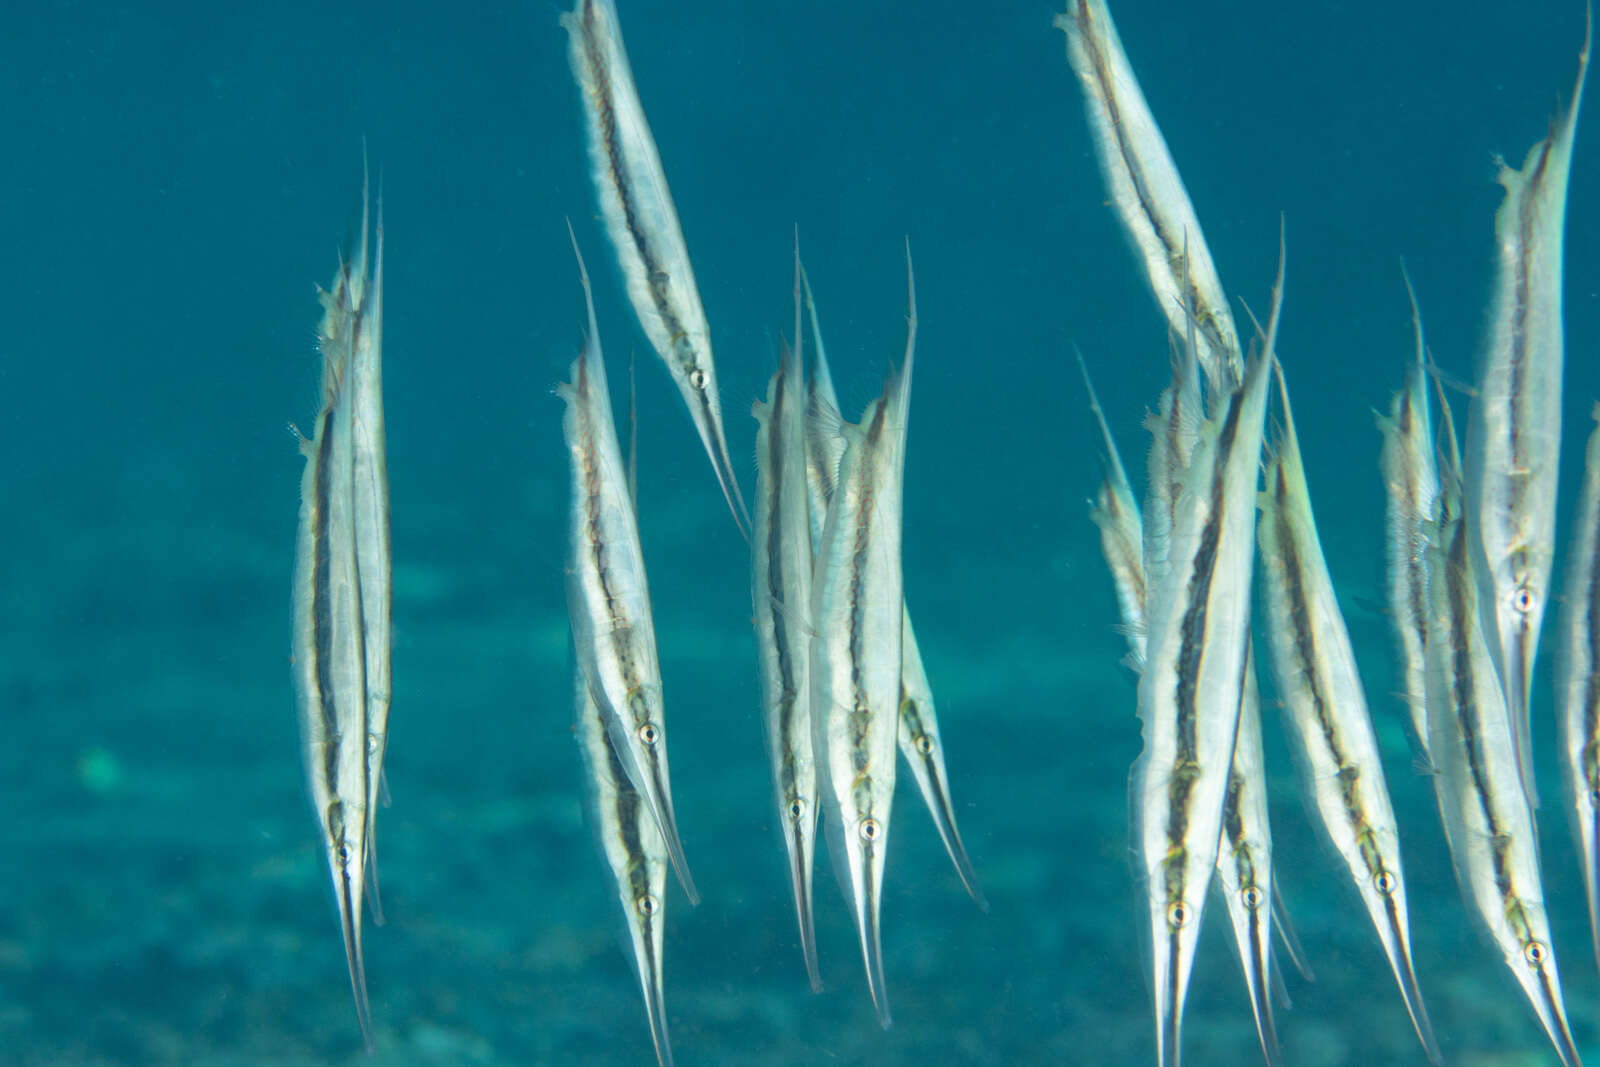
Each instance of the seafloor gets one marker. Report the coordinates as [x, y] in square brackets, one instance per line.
[179, 178]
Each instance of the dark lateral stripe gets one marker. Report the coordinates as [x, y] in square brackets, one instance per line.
[1464, 694]
[1552, 997]
[1415, 577]
[597, 550]
[359, 608]
[1516, 486]
[775, 590]
[1591, 692]
[861, 708]
[322, 603]
[1417, 596]
[1192, 633]
[605, 112]
[1519, 344]
[1233, 820]
[911, 715]
[627, 808]
[1305, 650]
[787, 703]
[1260, 970]
[1391, 911]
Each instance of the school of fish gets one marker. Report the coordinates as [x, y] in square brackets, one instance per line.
[1223, 538]
[1469, 553]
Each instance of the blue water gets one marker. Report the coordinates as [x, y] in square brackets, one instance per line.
[177, 176]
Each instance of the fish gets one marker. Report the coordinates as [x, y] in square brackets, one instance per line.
[374, 552]
[332, 640]
[918, 732]
[1578, 681]
[1148, 193]
[781, 590]
[1411, 488]
[1115, 513]
[1174, 429]
[1488, 818]
[608, 595]
[1514, 421]
[634, 851]
[824, 444]
[1244, 857]
[1325, 711]
[857, 613]
[1244, 864]
[918, 737]
[1190, 690]
[643, 226]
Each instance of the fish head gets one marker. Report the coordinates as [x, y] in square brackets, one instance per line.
[866, 841]
[643, 896]
[799, 808]
[1520, 614]
[1533, 962]
[696, 378]
[642, 893]
[1176, 905]
[345, 835]
[345, 840]
[640, 741]
[797, 805]
[1383, 892]
[1249, 898]
[867, 819]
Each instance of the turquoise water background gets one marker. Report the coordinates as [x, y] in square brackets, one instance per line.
[178, 176]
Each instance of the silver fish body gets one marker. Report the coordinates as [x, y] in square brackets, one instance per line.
[781, 582]
[643, 226]
[1411, 486]
[918, 734]
[1189, 693]
[920, 744]
[1578, 682]
[635, 854]
[331, 638]
[1487, 815]
[1514, 420]
[824, 443]
[1174, 431]
[1115, 513]
[1244, 857]
[1244, 864]
[608, 597]
[370, 481]
[1325, 710]
[1148, 192]
[858, 621]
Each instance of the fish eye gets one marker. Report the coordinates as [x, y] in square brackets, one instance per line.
[697, 378]
[1383, 882]
[1178, 915]
[344, 855]
[1522, 600]
[1251, 897]
[1533, 952]
[869, 830]
[797, 808]
[924, 744]
[648, 734]
[646, 905]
